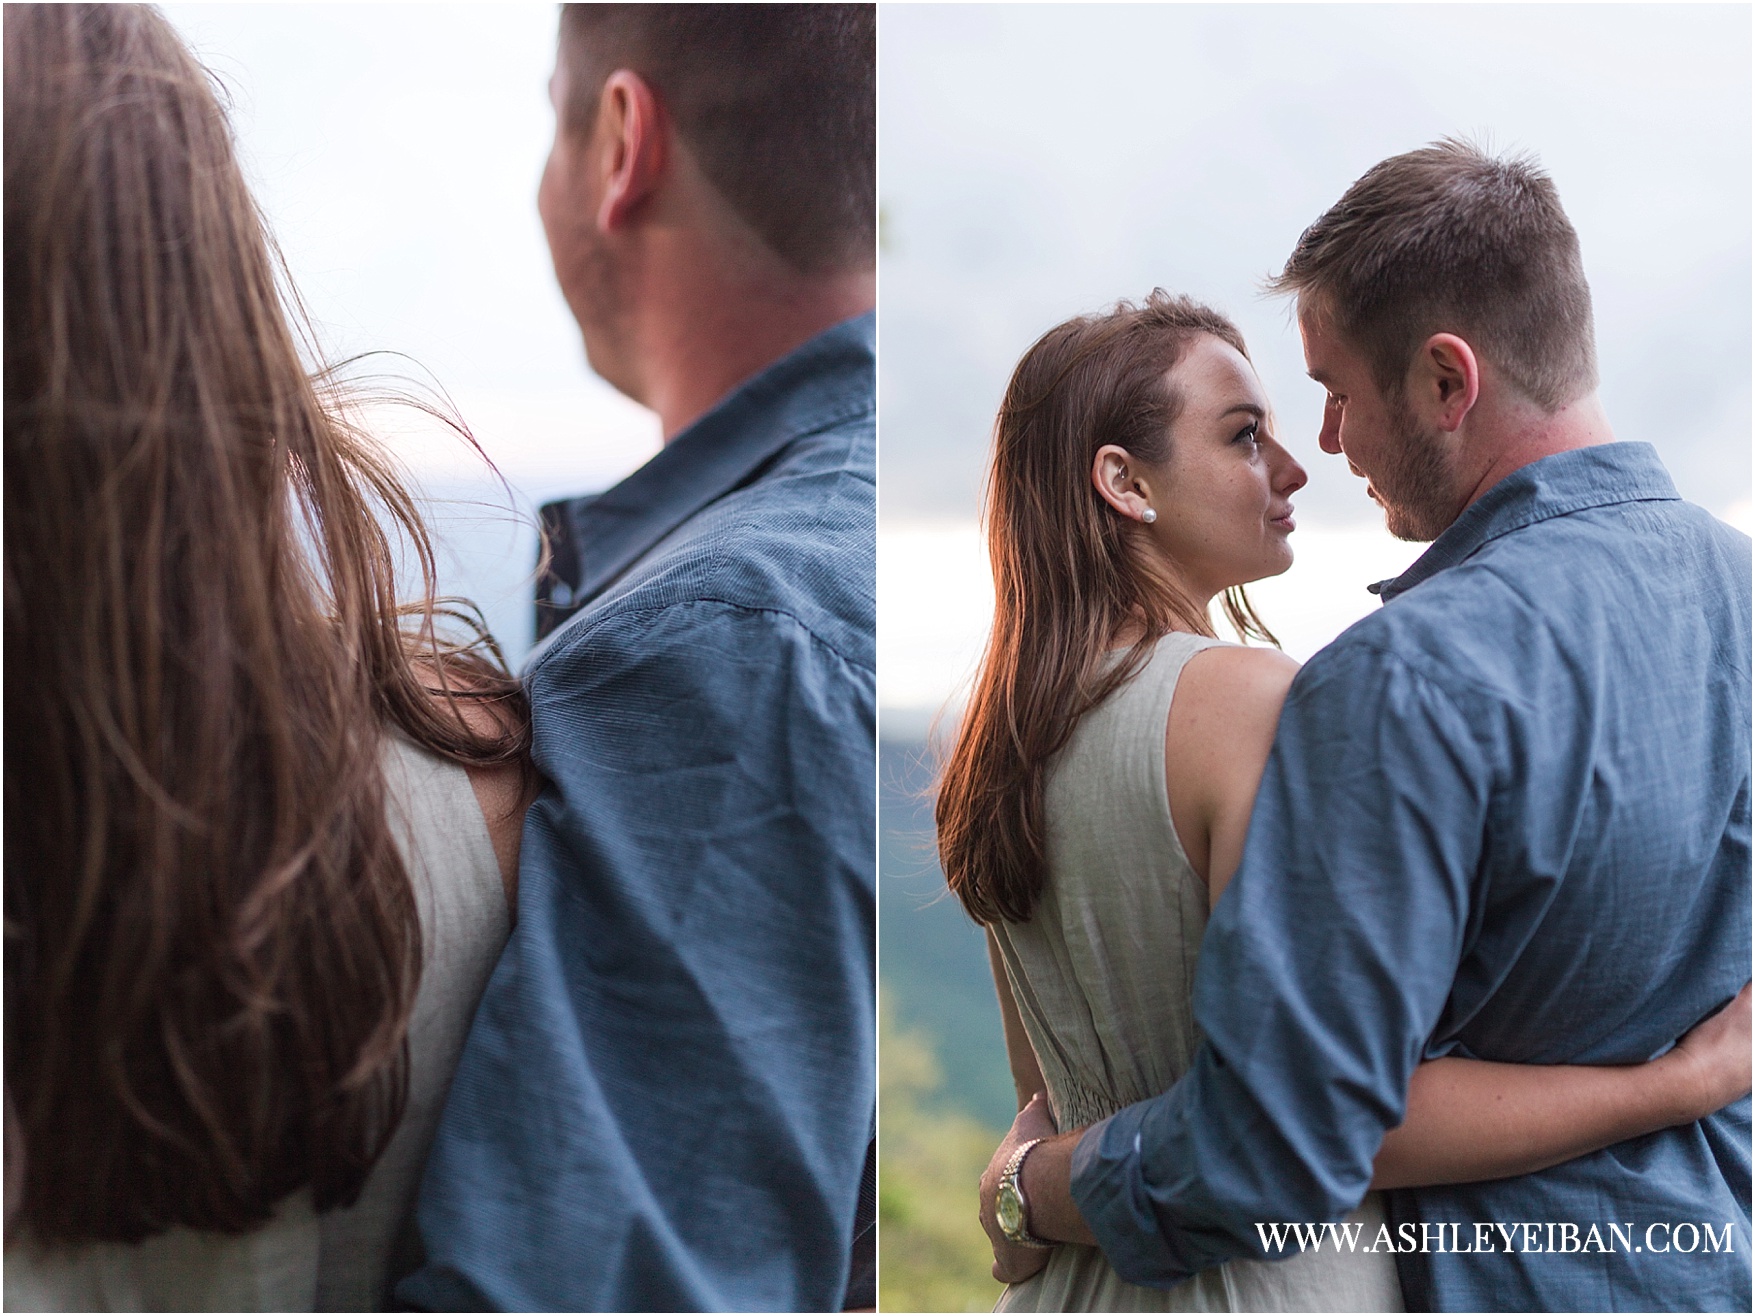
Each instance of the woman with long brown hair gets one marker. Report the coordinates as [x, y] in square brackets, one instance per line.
[1101, 784]
[261, 817]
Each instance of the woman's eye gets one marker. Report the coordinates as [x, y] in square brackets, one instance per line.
[1250, 433]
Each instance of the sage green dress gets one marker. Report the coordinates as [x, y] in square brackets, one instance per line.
[1103, 975]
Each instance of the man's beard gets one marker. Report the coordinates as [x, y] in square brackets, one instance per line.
[1413, 480]
[599, 304]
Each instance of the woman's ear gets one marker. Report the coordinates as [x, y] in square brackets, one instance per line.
[1121, 484]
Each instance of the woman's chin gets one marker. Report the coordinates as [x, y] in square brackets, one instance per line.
[1276, 563]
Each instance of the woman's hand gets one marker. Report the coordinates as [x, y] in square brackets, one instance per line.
[1013, 1262]
[1713, 1058]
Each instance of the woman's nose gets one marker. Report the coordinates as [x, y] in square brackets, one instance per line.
[1289, 476]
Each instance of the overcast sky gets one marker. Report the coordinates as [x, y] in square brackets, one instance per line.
[396, 150]
[1038, 161]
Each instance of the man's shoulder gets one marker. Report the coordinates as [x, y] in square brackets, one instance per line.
[1429, 633]
[1552, 598]
[1459, 650]
[794, 548]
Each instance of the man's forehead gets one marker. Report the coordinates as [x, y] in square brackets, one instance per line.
[1321, 346]
[557, 78]
[1314, 319]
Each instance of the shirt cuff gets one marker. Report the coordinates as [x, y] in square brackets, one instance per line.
[1108, 1185]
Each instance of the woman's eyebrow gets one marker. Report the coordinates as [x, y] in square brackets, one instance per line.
[1250, 408]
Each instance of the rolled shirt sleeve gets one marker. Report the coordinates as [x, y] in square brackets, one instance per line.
[1324, 969]
[667, 1097]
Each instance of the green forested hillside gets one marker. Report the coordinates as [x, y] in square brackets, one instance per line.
[933, 960]
[934, 1256]
[944, 1093]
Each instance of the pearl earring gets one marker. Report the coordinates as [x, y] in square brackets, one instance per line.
[1148, 516]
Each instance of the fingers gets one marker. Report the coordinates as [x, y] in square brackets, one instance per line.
[1718, 1050]
[1035, 1120]
[1013, 1265]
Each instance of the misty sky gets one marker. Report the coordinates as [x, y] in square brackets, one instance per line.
[395, 149]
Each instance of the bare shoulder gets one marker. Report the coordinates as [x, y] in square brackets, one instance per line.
[499, 788]
[484, 716]
[500, 792]
[1216, 742]
[1222, 718]
[1235, 681]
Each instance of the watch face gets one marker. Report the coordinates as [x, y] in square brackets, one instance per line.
[1010, 1209]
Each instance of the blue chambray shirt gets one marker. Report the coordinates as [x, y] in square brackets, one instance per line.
[667, 1097]
[1506, 816]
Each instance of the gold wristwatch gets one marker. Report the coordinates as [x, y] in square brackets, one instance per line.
[1009, 1205]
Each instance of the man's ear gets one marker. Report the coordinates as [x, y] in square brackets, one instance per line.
[1445, 381]
[633, 139]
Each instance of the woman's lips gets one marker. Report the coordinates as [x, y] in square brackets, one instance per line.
[1284, 521]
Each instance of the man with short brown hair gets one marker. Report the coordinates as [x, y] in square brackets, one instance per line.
[1447, 237]
[667, 1098]
[1450, 235]
[1506, 816]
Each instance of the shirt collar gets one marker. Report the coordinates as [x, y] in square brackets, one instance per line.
[824, 382]
[1552, 486]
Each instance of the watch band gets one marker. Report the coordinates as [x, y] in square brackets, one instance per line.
[1011, 1186]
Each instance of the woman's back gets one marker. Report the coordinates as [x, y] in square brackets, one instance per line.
[342, 1260]
[1104, 969]
[1103, 976]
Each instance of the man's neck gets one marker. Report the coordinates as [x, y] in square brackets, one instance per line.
[703, 329]
[1524, 434]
